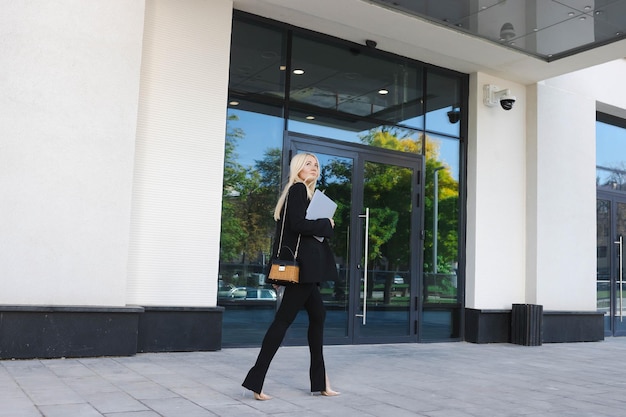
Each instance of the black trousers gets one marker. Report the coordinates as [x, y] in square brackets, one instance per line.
[294, 298]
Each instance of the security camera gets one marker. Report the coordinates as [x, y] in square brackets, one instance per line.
[371, 44]
[507, 102]
[454, 116]
[493, 96]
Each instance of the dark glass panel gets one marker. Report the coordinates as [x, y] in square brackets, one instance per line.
[257, 61]
[349, 80]
[443, 103]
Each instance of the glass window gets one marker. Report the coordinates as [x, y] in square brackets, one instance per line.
[611, 155]
[443, 106]
[346, 92]
[251, 183]
[257, 61]
[347, 80]
[386, 136]
[441, 217]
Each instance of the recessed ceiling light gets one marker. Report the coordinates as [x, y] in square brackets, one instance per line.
[581, 18]
[233, 103]
[310, 117]
[282, 67]
[571, 14]
[383, 91]
[298, 71]
[587, 7]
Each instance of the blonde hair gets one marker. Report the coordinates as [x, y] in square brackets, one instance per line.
[295, 166]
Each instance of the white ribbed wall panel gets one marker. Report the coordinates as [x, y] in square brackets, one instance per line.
[175, 225]
[69, 82]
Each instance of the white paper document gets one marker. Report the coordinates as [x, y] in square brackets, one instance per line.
[320, 207]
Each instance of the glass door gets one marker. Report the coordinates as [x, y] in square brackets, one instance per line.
[611, 282]
[377, 242]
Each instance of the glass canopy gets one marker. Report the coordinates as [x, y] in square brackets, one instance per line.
[546, 29]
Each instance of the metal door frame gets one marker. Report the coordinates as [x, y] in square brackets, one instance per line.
[616, 261]
[360, 154]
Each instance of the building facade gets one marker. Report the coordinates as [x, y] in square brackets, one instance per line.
[136, 135]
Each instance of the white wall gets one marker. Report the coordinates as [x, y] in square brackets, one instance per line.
[69, 80]
[496, 222]
[174, 248]
[531, 190]
[562, 201]
[603, 83]
[565, 190]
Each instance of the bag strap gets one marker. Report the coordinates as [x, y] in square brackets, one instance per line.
[280, 242]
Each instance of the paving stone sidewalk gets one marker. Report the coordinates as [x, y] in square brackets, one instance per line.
[433, 380]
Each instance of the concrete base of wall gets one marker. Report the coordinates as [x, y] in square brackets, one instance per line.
[494, 326]
[28, 332]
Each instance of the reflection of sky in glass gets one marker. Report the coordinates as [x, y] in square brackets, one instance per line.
[610, 146]
[325, 131]
[438, 121]
[260, 133]
[263, 132]
[448, 153]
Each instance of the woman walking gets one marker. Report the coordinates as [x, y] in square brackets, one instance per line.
[316, 263]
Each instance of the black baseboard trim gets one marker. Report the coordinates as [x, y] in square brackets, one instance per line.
[573, 326]
[487, 326]
[31, 331]
[180, 329]
[494, 326]
[28, 332]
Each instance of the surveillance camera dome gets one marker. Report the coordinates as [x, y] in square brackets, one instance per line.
[493, 95]
[507, 102]
[454, 116]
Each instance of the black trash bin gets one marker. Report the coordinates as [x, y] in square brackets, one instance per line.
[527, 324]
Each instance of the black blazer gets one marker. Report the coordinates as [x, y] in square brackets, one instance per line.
[316, 260]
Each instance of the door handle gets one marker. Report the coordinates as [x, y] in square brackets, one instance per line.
[620, 244]
[366, 216]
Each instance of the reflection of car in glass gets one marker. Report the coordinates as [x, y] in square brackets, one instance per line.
[223, 291]
[230, 292]
[263, 294]
[243, 294]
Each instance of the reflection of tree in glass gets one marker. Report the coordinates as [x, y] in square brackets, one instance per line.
[249, 199]
[394, 183]
[616, 179]
[387, 192]
[232, 233]
[336, 181]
